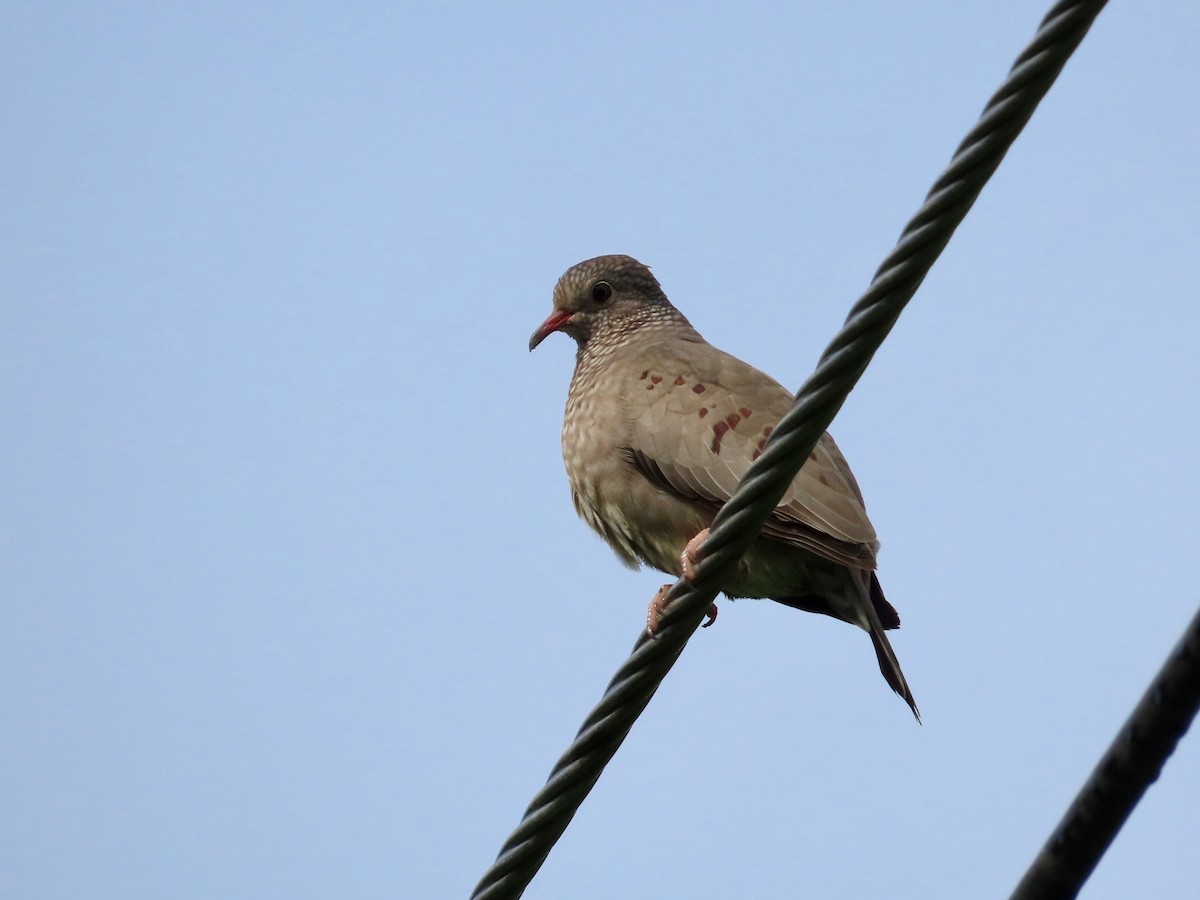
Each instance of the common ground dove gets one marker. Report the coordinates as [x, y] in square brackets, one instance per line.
[660, 426]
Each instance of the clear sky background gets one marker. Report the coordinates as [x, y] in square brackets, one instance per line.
[294, 601]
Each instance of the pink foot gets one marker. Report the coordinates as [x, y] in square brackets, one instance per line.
[688, 561]
[690, 557]
[655, 611]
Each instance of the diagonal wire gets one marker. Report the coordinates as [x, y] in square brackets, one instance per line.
[819, 399]
[1133, 762]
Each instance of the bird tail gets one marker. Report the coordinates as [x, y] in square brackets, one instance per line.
[887, 613]
[854, 596]
[816, 603]
[889, 665]
[875, 610]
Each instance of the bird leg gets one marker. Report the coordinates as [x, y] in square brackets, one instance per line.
[688, 561]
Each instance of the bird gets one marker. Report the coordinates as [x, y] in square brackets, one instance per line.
[659, 428]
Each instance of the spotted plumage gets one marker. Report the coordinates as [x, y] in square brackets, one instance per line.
[659, 428]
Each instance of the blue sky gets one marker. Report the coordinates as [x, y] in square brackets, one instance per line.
[294, 600]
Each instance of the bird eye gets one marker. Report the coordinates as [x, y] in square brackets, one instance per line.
[601, 291]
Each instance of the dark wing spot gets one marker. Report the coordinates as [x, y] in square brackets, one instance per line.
[824, 479]
[656, 378]
[699, 389]
[732, 419]
[762, 442]
[645, 372]
[719, 430]
[679, 381]
[746, 413]
[703, 411]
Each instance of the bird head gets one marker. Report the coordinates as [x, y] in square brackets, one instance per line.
[603, 299]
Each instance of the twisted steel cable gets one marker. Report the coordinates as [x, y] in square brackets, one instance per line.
[1132, 763]
[817, 402]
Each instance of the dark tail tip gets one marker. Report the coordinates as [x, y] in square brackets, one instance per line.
[889, 666]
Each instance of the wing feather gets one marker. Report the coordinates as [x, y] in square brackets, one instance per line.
[707, 420]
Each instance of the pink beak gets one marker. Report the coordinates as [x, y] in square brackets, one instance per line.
[553, 323]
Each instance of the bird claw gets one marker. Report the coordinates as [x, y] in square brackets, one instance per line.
[690, 557]
[655, 610]
[658, 606]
